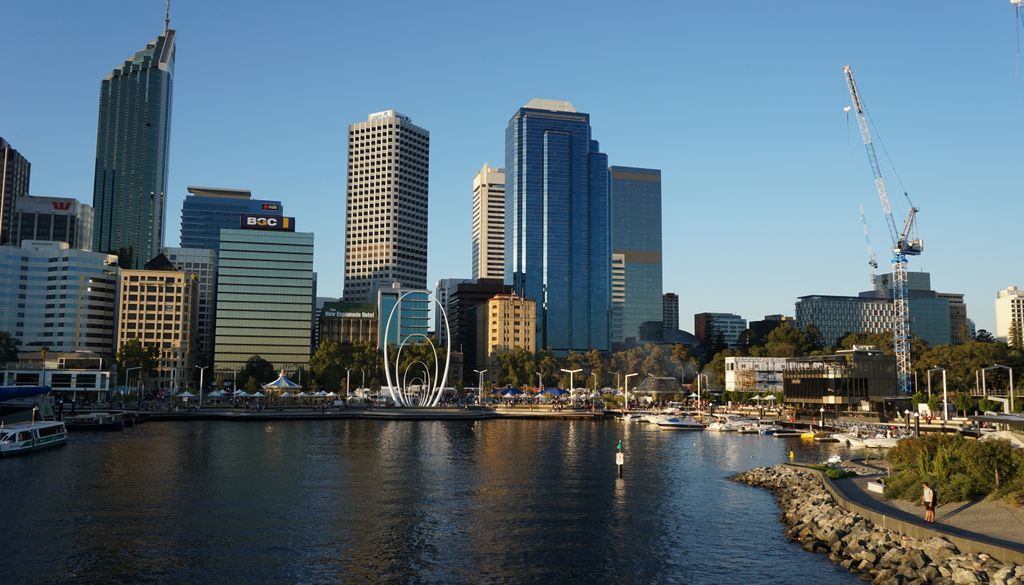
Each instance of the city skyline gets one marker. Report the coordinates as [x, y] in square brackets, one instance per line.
[736, 199]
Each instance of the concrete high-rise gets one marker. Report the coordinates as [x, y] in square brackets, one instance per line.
[53, 219]
[709, 326]
[489, 223]
[670, 310]
[1010, 315]
[636, 237]
[443, 292]
[14, 176]
[207, 210]
[202, 264]
[132, 144]
[557, 233]
[386, 205]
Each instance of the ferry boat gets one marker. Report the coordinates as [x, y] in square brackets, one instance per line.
[23, 437]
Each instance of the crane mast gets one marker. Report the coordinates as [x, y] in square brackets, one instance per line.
[872, 259]
[903, 245]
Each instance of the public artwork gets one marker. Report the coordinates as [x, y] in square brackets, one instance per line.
[427, 393]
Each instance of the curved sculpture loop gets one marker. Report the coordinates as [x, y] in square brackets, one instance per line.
[427, 395]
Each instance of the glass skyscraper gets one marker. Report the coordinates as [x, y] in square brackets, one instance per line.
[557, 233]
[132, 142]
[206, 211]
[264, 298]
[636, 236]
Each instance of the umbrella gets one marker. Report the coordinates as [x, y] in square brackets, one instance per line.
[287, 395]
[302, 394]
[258, 395]
[770, 397]
[242, 394]
[217, 393]
[511, 392]
[756, 397]
[694, 395]
[321, 394]
[186, 394]
[330, 395]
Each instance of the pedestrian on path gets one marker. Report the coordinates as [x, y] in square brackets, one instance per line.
[928, 499]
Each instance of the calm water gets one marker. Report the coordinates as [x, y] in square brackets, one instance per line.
[373, 501]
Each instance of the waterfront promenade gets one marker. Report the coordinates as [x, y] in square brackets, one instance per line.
[292, 413]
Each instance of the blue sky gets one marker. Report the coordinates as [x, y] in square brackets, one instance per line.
[739, 103]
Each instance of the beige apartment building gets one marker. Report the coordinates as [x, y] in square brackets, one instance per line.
[157, 306]
[505, 322]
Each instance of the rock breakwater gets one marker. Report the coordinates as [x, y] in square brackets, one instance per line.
[814, 519]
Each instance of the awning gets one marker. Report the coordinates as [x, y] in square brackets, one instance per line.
[9, 392]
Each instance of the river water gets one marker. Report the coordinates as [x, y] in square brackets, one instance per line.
[497, 501]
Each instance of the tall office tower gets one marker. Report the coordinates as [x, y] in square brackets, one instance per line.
[53, 219]
[207, 210]
[202, 264]
[504, 322]
[156, 306]
[618, 297]
[443, 292]
[636, 235]
[1010, 315]
[132, 144]
[670, 310]
[489, 223]
[264, 306]
[557, 233]
[55, 296]
[386, 206]
[464, 303]
[14, 174]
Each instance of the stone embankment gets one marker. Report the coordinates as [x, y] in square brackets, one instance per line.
[814, 519]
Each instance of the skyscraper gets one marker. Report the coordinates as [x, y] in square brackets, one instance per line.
[557, 239]
[670, 310]
[132, 142]
[14, 175]
[636, 236]
[53, 219]
[489, 223]
[206, 211]
[386, 206]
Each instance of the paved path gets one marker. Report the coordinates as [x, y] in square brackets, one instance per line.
[995, 522]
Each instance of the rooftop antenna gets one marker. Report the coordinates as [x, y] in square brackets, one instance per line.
[167, 16]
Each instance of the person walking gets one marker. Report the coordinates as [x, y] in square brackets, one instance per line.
[928, 499]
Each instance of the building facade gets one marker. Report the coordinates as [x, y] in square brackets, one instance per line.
[505, 322]
[754, 374]
[1010, 315]
[157, 307]
[708, 326]
[202, 264]
[408, 310]
[557, 232]
[636, 236]
[54, 296]
[53, 219]
[264, 297]
[14, 178]
[80, 376]
[132, 146]
[489, 223]
[348, 323]
[670, 310]
[386, 206]
[618, 335]
[464, 303]
[444, 290]
[859, 379]
[207, 210]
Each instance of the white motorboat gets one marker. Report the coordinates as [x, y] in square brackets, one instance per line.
[725, 423]
[23, 437]
[680, 423]
[881, 442]
[656, 418]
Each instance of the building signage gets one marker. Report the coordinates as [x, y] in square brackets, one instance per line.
[61, 205]
[268, 222]
[336, 314]
[270, 207]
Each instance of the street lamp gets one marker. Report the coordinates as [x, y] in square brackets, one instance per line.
[201, 371]
[480, 387]
[945, 406]
[540, 382]
[625, 401]
[572, 387]
[917, 424]
[593, 399]
[906, 417]
[822, 417]
[348, 385]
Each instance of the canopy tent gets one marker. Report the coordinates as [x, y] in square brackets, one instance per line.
[281, 383]
[554, 391]
[185, 394]
[770, 397]
[287, 395]
[302, 395]
[242, 394]
[217, 394]
[756, 397]
[510, 392]
[331, 395]
[694, 395]
[321, 394]
[258, 395]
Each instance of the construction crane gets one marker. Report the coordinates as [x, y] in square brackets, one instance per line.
[904, 243]
[872, 259]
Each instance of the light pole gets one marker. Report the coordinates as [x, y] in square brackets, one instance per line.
[945, 407]
[1011, 384]
[348, 385]
[480, 387]
[201, 371]
[128, 374]
[540, 382]
[572, 387]
[917, 424]
[906, 417]
[823, 417]
[593, 399]
[625, 396]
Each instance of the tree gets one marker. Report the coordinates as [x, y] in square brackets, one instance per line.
[257, 369]
[1015, 337]
[963, 402]
[8, 347]
[133, 354]
[984, 336]
[328, 364]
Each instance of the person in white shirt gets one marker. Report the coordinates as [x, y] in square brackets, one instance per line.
[928, 499]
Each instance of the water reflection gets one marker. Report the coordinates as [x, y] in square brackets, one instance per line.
[373, 501]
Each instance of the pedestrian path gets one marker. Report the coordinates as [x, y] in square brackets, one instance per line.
[990, 521]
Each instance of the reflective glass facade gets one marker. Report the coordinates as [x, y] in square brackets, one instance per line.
[132, 142]
[636, 236]
[264, 298]
[206, 211]
[410, 320]
[14, 176]
[557, 240]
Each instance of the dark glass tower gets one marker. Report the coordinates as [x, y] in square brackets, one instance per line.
[636, 235]
[557, 234]
[132, 144]
[14, 174]
[206, 211]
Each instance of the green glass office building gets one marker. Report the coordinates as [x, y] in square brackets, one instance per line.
[264, 298]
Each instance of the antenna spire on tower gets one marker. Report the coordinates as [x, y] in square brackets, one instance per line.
[167, 16]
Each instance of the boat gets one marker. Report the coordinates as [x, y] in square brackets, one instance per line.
[18, 438]
[770, 429]
[656, 418]
[680, 423]
[787, 433]
[881, 442]
[95, 421]
[824, 437]
[729, 423]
